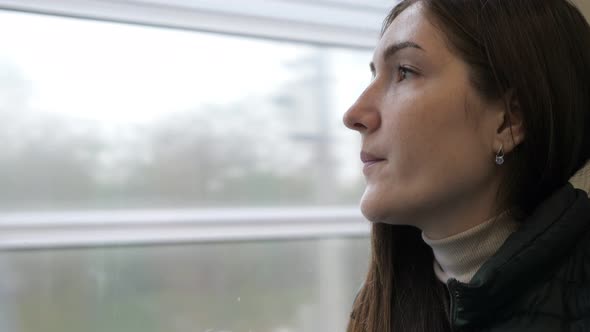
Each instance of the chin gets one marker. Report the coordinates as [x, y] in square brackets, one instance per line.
[376, 210]
[379, 208]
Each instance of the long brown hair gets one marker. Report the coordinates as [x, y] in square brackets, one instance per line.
[539, 50]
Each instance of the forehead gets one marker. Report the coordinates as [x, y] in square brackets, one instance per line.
[412, 25]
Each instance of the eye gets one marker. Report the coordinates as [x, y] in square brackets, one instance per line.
[403, 73]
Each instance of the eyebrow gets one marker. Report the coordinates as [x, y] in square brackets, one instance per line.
[394, 48]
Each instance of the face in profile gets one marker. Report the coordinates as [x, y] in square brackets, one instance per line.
[427, 135]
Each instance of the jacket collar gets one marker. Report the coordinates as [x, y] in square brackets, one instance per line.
[543, 239]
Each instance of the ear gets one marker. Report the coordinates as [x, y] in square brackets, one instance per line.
[510, 125]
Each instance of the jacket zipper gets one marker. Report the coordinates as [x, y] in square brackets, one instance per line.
[452, 299]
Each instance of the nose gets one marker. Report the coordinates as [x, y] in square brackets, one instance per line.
[363, 116]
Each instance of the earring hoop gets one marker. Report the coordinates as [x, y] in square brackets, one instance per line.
[500, 155]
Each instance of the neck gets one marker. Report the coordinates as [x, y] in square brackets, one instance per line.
[461, 213]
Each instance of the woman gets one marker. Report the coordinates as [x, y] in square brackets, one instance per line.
[476, 118]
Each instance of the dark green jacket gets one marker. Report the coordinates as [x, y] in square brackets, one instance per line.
[539, 280]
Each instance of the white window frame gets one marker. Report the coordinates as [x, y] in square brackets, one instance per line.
[145, 227]
[343, 23]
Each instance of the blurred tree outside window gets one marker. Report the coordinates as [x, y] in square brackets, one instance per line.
[97, 115]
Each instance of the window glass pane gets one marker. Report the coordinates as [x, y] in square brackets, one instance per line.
[102, 115]
[295, 286]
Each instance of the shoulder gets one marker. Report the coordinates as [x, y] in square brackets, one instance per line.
[558, 301]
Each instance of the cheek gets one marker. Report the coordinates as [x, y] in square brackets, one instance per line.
[410, 134]
[418, 129]
[432, 140]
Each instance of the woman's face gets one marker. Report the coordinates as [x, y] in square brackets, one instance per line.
[431, 131]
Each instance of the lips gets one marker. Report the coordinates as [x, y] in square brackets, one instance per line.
[369, 158]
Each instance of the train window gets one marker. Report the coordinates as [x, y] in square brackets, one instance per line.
[105, 125]
[97, 115]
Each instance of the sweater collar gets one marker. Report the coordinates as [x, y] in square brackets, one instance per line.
[460, 256]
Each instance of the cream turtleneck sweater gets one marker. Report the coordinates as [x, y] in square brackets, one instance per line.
[461, 255]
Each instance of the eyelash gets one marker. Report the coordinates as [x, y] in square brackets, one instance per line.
[400, 69]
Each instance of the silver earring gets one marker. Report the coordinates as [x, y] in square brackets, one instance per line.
[500, 156]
